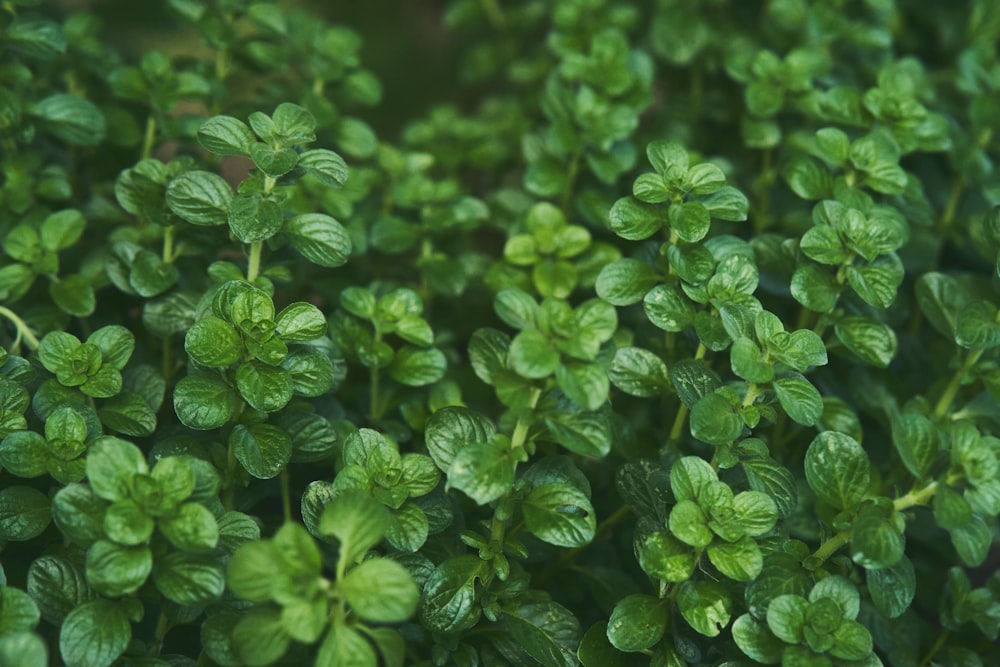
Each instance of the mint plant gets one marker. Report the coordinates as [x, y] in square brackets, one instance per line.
[308, 360]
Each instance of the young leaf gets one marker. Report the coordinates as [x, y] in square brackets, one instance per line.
[837, 469]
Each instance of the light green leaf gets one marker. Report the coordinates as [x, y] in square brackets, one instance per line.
[381, 591]
[637, 622]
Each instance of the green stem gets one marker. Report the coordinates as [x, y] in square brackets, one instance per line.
[938, 645]
[374, 409]
[253, 270]
[753, 391]
[149, 138]
[168, 244]
[956, 383]
[286, 496]
[23, 330]
[678, 426]
[571, 173]
[915, 497]
[162, 628]
[830, 546]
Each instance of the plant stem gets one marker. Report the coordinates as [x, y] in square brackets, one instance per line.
[571, 172]
[286, 496]
[753, 391]
[956, 383]
[938, 645]
[162, 628]
[23, 330]
[149, 138]
[678, 426]
[374, 409]
[830, 546]
[168, 244]
[253, 270]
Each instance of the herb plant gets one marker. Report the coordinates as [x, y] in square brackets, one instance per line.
[667, 336]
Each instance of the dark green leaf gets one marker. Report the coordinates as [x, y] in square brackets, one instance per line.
[263, 449]
[94, 634]
[321, 239]
[200, 197]
[837, 469]
[24, 513]
[637, 623]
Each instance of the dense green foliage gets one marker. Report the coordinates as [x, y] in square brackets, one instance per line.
[670, 338]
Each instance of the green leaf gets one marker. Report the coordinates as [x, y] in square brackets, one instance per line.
[637, 622]
[293, 123]
[203, 401]
[713, 420]
[325, 165]
[560, 514]
[756, 641]
[837, 469]
[262, 449]
[484, 471]
[516, 307]
[876, 536]
[192, 529]
[972, 541]
[23, 453]
[532, 355]
[668, 309]
[808, 178]
[727, 204]
[115, 570]
[149, 275]
[799, 398]
[253, 219]
[274, 162]
[634, 220]
[24, 649]
[449, 602]
[266, 388]
[625, 281]
[57, 586]
[596, 651]
[638, 372]
[705, 605]
[18, 612]
[689, 475]
[748, 362]
[200, 197]
[585, 433]
[689, 524]
[815, 288]
[94, 634]
[126, 523]
[312, 374]
[876, 283]
[823, 244]
[62, 229]
[667, 559]
[321, 239]
[213, 342]
[451, 429]
[70, 118]
[417, 367]
[189, 580]
[978, 326]
[873, 341]
[380, 591]
[346, 646]
[786, 615]
[36, 38]
[225, 135]
[756, 512]
[586, 384]
[74, 295]
[917, 443]
[358, 521]
[300, 322]
[892, 588]
[78, 512]
[260, 637]
[740, 561]
[690, 221]
[692, 380]
[111, 464]
[251, 568]
[941, 299]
